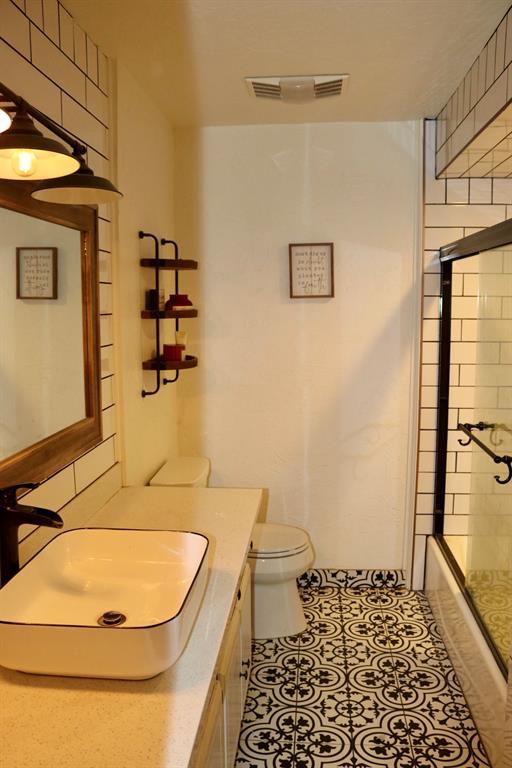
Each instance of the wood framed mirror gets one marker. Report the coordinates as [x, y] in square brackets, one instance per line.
[50, 406]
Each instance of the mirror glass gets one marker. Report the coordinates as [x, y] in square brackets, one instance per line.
[50, 408]
[41, 354]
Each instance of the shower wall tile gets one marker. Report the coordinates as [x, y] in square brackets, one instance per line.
[502, 189]
[429, 396]
[479, 98]
[457, 482]
[60, 69]
[429, 375]
[457, 285]
[429, 352]
[431, 307]
[431, 262]
[431, 285]
[426, 461]
[456, 525]
[435, 237]
[463, 215]
[425, 482]
[456, 330]
[463, 352]
[51, 20]
[15, 27]
[430, 330]
[80, 48]
[461, 504]
[427, 441]
[428, 418]
[425, 504]
[425, 524]
[66, 32]
[457, 191]
[467, 207]
[480, 191]
[493, 262]
[34, 9]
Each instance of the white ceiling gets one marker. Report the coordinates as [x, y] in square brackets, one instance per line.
[405, 57]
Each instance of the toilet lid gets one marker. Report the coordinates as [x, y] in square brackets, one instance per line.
[271, 539]
[183, 470]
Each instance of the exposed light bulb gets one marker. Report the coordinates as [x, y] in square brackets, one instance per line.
[5, 120]
[24, 162]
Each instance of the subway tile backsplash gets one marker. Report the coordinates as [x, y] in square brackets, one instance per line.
[47, 58]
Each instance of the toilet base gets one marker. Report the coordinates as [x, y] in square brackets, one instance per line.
[277, 610]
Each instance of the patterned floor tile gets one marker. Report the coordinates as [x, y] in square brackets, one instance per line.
[385, 742]
[271, 650]
[368, 685]
[261, 706]
[378, 679]
[435, 745]
[368, 630]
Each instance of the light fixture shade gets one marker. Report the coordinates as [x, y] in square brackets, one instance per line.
[5, 120]
[49, 158]
[80, 188]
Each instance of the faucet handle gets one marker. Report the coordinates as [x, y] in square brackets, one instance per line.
[8, 495]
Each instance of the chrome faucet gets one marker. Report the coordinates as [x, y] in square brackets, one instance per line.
[12, 515]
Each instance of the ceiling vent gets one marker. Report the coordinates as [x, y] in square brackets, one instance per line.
[299, 89]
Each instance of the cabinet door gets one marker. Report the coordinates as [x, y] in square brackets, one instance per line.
[244, 605]
[230, 676]
[211, 752]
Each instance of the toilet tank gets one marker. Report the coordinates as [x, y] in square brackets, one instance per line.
[191, 471]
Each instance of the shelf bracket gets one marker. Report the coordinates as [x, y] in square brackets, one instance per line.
[146, 392]
[165, 241]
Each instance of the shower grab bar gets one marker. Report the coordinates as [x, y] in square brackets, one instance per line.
[466, 428]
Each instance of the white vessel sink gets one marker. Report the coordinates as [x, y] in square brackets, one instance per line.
[51, 610]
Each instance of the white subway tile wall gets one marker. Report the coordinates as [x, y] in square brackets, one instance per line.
[453, 209]
[482, 95]
[49, 60]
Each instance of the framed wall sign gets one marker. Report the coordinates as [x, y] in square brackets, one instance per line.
[311, 270]
[36, 273]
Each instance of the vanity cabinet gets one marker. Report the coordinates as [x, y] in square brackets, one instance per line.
[218, 739]
[211, 752]
[245, 607]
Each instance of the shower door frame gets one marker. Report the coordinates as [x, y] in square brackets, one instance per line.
[486, 240]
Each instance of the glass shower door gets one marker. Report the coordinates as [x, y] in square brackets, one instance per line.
[478, 507]
[489, 546]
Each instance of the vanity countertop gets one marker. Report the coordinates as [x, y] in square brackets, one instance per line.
[59, 722]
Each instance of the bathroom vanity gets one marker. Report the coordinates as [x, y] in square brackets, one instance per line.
[185, 717]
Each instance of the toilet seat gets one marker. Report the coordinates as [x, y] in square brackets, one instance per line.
[270, 540]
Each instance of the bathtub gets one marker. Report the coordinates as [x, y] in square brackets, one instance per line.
[483, 683]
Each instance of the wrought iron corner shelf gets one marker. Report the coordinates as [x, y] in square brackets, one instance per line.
[158, 363]
[167, 314]
[178, 264]
[169, 365]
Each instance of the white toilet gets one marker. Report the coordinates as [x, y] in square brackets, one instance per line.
[189, 471]
[279, 554]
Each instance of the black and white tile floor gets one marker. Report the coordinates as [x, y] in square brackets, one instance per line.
[367, 685]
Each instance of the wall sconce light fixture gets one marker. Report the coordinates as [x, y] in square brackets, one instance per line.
[63, 175]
